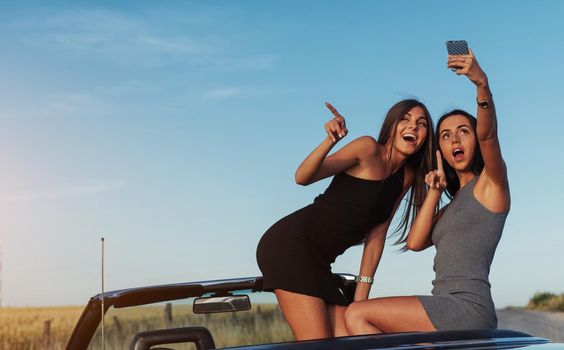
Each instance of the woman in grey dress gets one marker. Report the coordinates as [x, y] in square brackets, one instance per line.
[465, 232]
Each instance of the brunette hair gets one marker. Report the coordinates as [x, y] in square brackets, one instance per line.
[477, 162]
[421, 162]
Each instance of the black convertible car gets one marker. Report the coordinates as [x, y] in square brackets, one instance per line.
[237, 313]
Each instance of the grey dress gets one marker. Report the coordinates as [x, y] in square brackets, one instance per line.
[465, 237]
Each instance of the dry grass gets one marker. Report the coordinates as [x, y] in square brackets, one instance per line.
[546, 301]
[22, 328]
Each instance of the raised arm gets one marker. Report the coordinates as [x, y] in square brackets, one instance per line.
[419, 236]
[317, 165]
[494, 166]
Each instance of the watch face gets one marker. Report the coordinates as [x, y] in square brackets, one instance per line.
[484, 104]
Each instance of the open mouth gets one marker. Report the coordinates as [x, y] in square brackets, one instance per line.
[409, 137]
[458, 153]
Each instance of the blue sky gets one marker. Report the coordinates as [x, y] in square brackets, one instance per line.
[174, 128]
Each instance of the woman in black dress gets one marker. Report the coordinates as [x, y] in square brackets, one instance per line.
[370, 179]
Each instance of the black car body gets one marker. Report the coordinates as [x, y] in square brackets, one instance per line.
[135, 319]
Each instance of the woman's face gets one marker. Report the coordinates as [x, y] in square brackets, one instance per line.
[411, 131]
[457, 141]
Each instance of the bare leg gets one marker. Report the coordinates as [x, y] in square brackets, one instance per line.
[306, 315]
[385, 315]
[337, 320]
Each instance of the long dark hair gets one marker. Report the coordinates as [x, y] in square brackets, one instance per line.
[421, 162]
[477, 162]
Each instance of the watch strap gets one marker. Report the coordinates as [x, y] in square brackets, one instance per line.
[364, 279]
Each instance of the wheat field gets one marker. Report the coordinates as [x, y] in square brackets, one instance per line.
[24, 328]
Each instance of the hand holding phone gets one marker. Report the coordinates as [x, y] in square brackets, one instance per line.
[457, 47]
[465, 63]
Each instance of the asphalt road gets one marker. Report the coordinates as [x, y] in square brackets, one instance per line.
[541, 324]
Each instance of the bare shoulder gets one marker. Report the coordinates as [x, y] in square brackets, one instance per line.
[368, 144]
[360, 148]
[367, 152]
[491, 194]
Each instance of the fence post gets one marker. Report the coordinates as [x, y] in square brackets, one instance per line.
[117, 323]
[46, 342]
[168, 315]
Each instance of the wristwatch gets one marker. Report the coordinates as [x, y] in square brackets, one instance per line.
[364, 279]
[485, 103]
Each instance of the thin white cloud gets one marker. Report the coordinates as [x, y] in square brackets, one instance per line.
[258, 62]
[173, 46]
[118, 38]
[111, 36]
[245, 92]
[221, 93]
[130, 87]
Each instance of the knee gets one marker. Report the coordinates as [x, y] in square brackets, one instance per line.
[354, 319]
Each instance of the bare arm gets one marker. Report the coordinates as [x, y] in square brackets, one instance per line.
[371, 254]
[419, 236]
[494, 166]
[317, 165]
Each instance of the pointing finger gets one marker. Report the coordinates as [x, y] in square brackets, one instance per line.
[440, 162]
[334, 111]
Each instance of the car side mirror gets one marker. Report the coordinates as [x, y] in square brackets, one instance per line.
[226, 303]
[200, 336]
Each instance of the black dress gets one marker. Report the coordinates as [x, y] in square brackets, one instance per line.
[296, 253]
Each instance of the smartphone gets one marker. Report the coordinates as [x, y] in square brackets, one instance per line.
[457, 47]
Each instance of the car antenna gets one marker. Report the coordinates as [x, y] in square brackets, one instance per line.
[103, 328]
